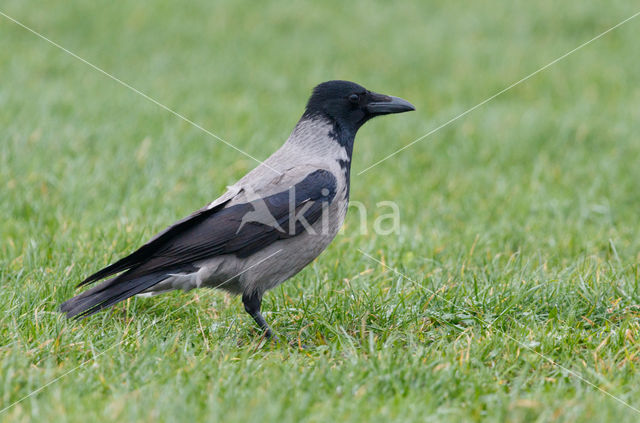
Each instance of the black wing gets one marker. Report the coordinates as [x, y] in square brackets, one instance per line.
[147, 250]
[229, 232]
[207, 233]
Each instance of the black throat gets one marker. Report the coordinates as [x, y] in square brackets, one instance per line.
[341, 134]
[345, 138]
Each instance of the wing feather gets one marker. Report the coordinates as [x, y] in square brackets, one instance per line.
[222, 230]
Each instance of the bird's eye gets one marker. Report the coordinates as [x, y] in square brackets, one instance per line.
[354, 99]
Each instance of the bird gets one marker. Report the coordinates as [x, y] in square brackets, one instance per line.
[263, 229]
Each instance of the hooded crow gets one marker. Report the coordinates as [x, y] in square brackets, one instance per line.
[266, 227]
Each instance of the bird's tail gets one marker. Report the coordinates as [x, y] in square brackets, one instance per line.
[109, 292]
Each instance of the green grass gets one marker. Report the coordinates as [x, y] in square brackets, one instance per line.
[522, 215]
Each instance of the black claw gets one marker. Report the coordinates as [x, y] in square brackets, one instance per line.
[252, 304]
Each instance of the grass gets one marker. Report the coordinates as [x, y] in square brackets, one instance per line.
[522, 215]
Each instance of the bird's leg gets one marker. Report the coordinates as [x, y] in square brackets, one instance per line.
[252, 304]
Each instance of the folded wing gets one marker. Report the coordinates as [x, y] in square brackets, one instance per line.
[241, 229]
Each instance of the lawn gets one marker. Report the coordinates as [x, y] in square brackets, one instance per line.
[509, 292]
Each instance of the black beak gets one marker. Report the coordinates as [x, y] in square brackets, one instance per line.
[380, 104]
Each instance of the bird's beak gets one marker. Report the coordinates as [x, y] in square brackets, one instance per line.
[380, 104]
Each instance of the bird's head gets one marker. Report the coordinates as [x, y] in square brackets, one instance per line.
[350, 105]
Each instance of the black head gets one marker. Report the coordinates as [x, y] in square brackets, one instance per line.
[349, 105]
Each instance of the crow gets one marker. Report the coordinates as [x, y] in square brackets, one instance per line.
[266, 227]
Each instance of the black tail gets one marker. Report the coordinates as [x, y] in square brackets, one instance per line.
[109, 293]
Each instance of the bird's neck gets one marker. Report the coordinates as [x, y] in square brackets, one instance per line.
[322, 136]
